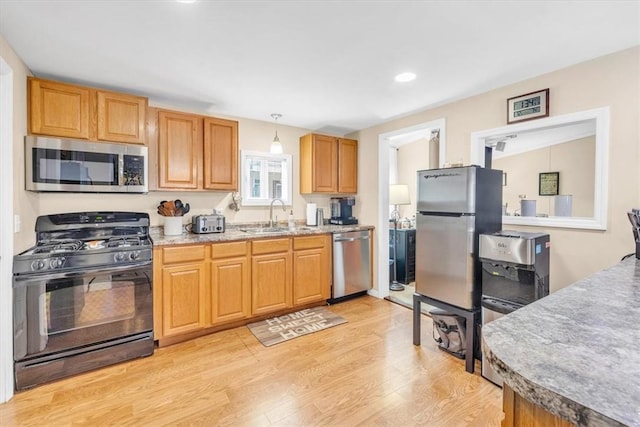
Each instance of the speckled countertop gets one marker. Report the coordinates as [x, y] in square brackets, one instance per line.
[233, 232]
[576, 352]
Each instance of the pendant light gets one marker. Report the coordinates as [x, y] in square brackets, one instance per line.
[276, 146]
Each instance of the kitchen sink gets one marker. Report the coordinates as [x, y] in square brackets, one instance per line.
[267, 230]
[261, 230]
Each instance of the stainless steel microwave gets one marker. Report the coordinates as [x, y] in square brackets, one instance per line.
[56, 164]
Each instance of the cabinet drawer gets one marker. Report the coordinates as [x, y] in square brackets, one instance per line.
[270, 246]
[183, 254]
[309, 242]
[228, 250]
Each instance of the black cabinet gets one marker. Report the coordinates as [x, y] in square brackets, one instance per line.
[405, 241]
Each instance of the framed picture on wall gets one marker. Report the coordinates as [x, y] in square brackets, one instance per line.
[549, 183]
[529, 106]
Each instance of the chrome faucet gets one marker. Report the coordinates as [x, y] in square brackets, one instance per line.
[271, 224]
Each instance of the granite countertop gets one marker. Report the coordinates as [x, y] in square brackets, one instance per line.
[233, 232]
[576, 352]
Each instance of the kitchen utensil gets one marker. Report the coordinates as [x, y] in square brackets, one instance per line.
[171, 205]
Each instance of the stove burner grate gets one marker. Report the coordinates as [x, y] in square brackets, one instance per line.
[118, 242]
[58, 247]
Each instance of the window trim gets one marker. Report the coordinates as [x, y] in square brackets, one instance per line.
[287, 181]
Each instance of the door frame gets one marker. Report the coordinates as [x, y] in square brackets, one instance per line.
[382, 237]
[6, 231]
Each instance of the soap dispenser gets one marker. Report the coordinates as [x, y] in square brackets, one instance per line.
[292, 222]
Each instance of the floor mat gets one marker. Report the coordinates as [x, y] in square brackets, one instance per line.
[289, 326]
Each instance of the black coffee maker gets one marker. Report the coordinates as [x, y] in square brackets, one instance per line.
[341, 213]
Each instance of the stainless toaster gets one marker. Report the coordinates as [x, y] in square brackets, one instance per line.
[203, 224]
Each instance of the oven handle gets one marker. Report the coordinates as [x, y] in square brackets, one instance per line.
[113, 269]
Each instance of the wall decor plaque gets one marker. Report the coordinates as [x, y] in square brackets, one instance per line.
[549, 183]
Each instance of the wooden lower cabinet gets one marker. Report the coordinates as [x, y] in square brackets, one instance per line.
[311, 269]
[518, 411]
[183, 298]
[201, 288]
[270, 276]
[230, 282]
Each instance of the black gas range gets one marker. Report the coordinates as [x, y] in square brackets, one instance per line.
[83, 295]
[84, 240]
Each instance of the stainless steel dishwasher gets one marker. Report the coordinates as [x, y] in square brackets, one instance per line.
[351, 265]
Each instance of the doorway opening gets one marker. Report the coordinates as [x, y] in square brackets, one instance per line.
[394, 165]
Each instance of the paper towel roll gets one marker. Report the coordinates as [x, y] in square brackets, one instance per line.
[563, 205]
[311, 213]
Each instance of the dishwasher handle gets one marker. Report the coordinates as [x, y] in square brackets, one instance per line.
[350, 239]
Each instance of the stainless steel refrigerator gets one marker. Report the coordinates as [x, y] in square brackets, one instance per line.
[455, 205]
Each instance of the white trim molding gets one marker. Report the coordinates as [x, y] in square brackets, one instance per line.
[601, 184]
[382, 236]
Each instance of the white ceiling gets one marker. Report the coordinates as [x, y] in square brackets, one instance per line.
[327, 66]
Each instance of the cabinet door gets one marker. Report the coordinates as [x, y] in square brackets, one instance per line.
[179, 150]
[310, 276]
[230, 290]
[183, 298]
[58, 109]
[347, 166]
[270, 282]
[121, 117]
[325, 164]
[220, 154]
[311, 269]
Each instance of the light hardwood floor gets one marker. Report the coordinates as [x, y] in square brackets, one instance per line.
[364, 372]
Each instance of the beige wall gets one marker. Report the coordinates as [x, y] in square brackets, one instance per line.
[412, 157]
[24, 204]
[574, 160]
[253, 135]
[610, 80]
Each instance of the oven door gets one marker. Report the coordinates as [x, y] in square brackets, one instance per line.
[61, 312]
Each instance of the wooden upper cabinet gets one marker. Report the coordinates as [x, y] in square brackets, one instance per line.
[179, 150]
[58, 109]
[328, 164]
[347, 165]
[72, 111]
[196, 152]
[220, 154]
[121, 117]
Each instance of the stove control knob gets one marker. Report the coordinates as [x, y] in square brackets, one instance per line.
[38, 265]
[134, 255]
[56, 262]
[119, 257]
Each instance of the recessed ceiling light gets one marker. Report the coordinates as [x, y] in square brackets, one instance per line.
[405, 77]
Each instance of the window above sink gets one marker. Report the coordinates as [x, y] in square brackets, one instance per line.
[265, 177]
